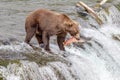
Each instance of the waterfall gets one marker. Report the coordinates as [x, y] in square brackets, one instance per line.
[97, 59]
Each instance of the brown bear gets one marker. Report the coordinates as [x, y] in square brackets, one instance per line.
[44, 23]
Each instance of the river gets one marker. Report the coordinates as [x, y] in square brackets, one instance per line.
[96, 59]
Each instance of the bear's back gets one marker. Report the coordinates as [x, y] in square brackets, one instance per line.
[44, 12]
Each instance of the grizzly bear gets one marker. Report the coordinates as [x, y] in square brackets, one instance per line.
[44, 23]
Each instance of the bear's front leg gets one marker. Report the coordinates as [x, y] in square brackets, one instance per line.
[60, 40]
[39, 38]
[45, 38]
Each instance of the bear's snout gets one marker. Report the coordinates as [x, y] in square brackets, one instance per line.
[77, 36]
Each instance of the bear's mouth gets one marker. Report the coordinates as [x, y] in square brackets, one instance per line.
[77, 37]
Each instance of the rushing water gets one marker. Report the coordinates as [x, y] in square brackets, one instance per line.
[96, 59]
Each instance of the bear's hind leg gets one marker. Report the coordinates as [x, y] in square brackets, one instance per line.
[29, 34]
[39, 39]
[45, 38]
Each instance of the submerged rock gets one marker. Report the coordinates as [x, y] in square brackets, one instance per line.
[118, 6]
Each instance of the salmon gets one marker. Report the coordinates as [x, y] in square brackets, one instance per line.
[69, 41]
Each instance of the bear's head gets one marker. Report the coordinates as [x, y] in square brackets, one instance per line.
[72, 27]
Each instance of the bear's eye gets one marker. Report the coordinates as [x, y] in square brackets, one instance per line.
[70, 25]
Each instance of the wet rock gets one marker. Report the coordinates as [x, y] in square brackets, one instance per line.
[1, 78]
[5, 62]
[116, 37]
[8, 41]
[7, 54]
[4, 42]
[118, 6]
[81, 11]
[43, 59]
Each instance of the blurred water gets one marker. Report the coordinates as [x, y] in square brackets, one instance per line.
[97, 59]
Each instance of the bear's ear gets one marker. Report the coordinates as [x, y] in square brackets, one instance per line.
[67, 20]
[68, 23]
